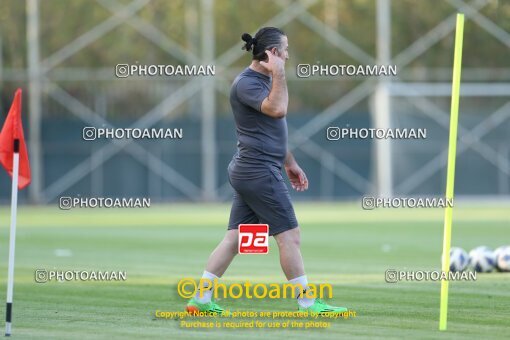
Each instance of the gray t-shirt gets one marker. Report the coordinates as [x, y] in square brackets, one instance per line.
[261, 139]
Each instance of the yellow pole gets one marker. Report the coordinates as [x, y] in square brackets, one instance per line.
[450, 177]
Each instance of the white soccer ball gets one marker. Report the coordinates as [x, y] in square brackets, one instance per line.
[482, 259]
[459, 259]
[498, 250]
[502, 255]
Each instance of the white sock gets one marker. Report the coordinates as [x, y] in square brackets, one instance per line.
[207, 294]
[302, 301]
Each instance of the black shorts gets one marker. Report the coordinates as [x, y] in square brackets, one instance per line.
[261, 196]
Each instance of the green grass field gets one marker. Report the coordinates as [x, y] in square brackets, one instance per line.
[342, 245]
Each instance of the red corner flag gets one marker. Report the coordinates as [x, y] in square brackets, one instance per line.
[12, 140]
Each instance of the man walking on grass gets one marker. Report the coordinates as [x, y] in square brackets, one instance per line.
[259, 100]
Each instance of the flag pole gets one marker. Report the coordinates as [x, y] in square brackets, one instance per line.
[12, 237]
[450, 175]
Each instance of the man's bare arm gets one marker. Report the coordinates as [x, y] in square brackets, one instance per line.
[289, 159]
[275, 105]
[297, 176]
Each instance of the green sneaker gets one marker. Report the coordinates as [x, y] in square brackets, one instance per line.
[320, 307]
[194, 307]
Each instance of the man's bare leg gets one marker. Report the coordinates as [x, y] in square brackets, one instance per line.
[294, 269]
[289, 243]
[218, 262]
[222, 256]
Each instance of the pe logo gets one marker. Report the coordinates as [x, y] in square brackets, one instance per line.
[253, 239]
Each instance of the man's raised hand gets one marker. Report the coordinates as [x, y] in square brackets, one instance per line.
[274, 63]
